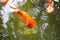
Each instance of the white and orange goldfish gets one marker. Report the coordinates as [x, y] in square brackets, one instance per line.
[50, 7]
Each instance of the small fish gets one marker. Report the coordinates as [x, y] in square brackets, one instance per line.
[26, 18]
[4, 1]
[50, 7]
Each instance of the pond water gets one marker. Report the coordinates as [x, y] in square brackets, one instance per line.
[47, 24]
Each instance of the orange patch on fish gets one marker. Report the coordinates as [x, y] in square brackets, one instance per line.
[4, 1]
[50, 7]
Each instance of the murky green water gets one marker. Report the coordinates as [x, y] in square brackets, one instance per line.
[48, 24]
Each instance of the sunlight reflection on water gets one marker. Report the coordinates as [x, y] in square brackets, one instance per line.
[6, 10]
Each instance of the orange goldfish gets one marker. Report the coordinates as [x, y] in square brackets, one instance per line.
[4, 1]
[50, 7]
[26, 18]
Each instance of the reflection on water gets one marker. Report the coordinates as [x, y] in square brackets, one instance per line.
[35, 1]
[34, 11]
[6, 10]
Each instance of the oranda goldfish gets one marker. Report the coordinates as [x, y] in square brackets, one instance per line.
[50, 7]
[26, 18]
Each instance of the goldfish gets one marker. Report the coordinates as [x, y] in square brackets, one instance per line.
[4, 1]
[25, 17]
[50, 7]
